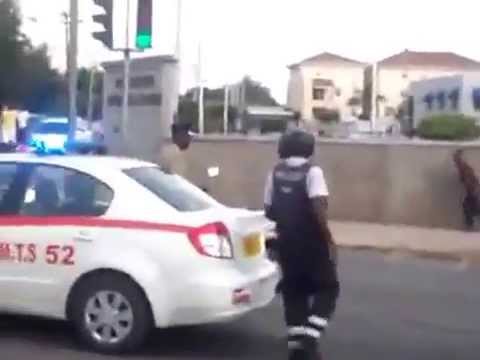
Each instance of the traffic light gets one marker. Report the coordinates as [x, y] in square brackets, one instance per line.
[143, 40]
[106, 36]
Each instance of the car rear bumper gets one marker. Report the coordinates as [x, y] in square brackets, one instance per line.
[224, 295]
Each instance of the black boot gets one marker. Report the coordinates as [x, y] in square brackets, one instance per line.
[298, 354]
[312, 350]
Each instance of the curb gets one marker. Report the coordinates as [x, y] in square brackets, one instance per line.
[472, 257]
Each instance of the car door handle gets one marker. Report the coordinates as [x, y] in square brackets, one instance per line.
[83, 237]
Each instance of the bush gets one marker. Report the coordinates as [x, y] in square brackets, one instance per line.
[449, 127]
[326, 115]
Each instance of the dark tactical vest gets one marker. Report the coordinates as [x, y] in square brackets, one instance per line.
[291, 207]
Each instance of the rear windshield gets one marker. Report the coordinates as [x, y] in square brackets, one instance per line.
[173, 189]
[51, 128]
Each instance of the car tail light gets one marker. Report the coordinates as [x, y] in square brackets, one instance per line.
[212, 240]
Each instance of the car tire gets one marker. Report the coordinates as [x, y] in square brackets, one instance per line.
[86, 293]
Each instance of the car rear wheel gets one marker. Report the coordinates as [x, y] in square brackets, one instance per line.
[111, 313]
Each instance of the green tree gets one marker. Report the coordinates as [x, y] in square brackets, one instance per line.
[257, 94]
[12, 43]
[188, 114]
[26, 76]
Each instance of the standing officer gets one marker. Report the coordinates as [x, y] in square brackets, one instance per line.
[296, 199]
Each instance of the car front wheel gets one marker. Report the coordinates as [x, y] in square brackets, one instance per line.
[111, 314]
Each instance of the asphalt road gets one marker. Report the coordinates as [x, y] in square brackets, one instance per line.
[391, 308]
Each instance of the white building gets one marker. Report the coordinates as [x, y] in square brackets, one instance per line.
[326, 83]
[459, 94]
[397, 72]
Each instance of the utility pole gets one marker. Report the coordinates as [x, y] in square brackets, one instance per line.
[225, 110]
[126, 76]
[201, 120]
[66, 21]
[72, 69]
[178, 48]
[91, 85]
[178, 44]
[373, 112]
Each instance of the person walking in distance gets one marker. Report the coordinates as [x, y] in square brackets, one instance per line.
[9, 125]
[471, 202]
[173, 156]
[296, 199]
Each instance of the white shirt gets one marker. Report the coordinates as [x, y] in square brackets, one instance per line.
[22, 119]
[316, 184]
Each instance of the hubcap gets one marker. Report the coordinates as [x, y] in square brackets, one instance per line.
[108, 317]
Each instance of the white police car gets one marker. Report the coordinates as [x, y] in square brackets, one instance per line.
[117, 247]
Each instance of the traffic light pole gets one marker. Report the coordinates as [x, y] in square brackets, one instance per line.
[91, 85]
[126, 77]
[143, 41]
[126, 90]
[72, 69]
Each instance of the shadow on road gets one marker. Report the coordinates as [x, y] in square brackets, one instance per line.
[238, 340]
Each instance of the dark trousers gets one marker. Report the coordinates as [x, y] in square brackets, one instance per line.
[471, 209]
[310, 289]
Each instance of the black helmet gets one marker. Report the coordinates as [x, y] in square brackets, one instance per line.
[296, 143]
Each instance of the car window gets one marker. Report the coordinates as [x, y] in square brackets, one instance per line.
[173, 189]
[8, 173]
[57, 191]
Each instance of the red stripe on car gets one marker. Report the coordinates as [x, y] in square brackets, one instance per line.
[91, 222]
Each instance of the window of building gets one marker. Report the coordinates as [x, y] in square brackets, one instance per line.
[138, 82]
[454, 98]
[320, 87]
[476, 99]
[428, 99]
[57, 191]
[319, 94]
[441, 99]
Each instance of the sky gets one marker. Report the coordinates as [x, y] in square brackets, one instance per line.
[261, 37]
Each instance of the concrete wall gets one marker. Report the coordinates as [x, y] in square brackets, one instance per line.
[400, 183]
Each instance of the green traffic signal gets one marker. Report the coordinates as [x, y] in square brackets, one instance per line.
[144, 41]
[144, 25]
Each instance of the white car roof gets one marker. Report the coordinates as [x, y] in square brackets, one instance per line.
[85, 163]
